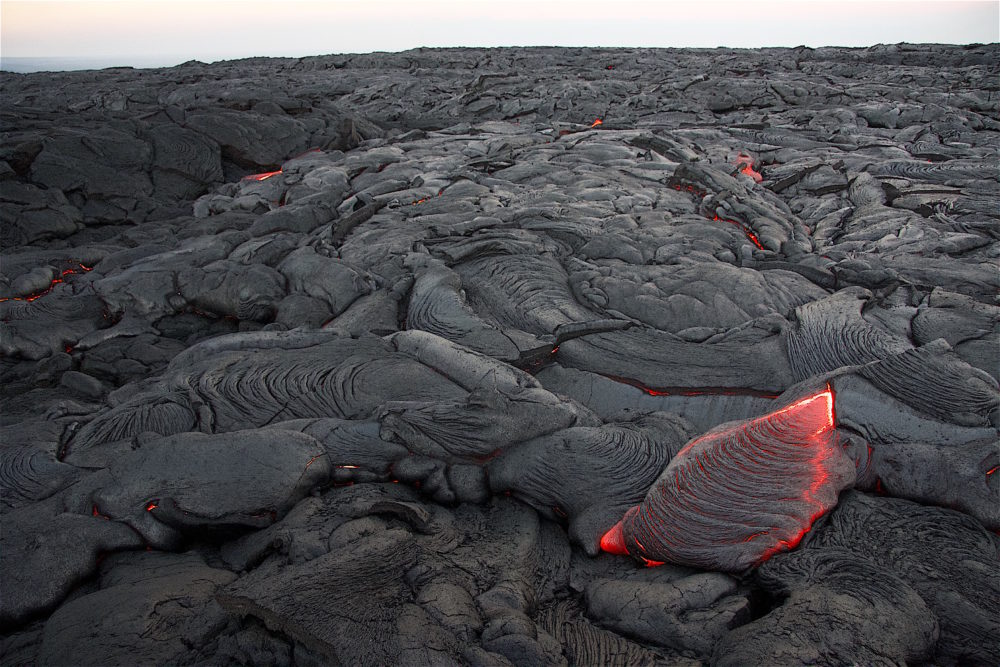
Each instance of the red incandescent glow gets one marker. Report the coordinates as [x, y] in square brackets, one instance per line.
[597, 122]
[816, 414]
[55, 281]
[745, 164]
[746, 230]
[261, 177]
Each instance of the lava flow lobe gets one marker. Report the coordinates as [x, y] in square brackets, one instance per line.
[737, 495]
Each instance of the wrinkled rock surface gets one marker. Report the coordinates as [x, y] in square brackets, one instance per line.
[423, 358]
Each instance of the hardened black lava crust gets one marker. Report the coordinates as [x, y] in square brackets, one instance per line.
[526, 356]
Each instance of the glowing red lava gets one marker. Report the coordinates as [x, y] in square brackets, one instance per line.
[261, 177]
[312, 460]
[80, 268]
[423, 199]
[745, 164]
[800, 438]
[701, 193]
[597, 122]
[613, 541]
[746, 230]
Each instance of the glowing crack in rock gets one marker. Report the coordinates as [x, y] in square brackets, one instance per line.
[742, 492]
[597, 122]
[744, 163]
[424, 199]
[698, 192]
[261, 177]
[79, 268]
[746, 231]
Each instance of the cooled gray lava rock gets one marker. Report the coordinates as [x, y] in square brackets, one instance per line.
[364, 359]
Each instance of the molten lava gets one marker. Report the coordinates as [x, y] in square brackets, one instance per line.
[737, 495]
[746, 231]
[597, 122]
[261, 177]
[701, 193]
[80, 268]
[423, 199]
[744, 163]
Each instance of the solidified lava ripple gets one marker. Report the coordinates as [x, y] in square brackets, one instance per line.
[366, 359]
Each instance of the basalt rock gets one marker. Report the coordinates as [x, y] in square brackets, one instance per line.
[365, 359]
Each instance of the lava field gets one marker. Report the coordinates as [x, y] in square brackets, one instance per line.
[533, 356]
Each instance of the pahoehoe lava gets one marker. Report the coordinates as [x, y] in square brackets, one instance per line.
[525, 356]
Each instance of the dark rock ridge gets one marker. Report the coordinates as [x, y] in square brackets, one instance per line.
[421, 358]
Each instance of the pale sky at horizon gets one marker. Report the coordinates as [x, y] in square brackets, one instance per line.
[139, 30]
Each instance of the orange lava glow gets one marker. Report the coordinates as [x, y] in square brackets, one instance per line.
[746, 230]
[613, 541]
[701, 193]
[261, 177]
[816, 412]
[597, 122]
[991, 470]
[80, 268]
[312, 460]
[807, 408]
[423, 199]
[745, 164]
[151, 506]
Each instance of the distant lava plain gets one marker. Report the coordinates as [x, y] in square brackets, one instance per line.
[534, 356]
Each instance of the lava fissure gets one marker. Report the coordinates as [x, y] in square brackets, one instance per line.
[692, 391]
[79, 269]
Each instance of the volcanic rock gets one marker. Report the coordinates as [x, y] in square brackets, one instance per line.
[503, 356]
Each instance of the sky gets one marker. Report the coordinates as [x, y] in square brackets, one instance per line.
[164, 32]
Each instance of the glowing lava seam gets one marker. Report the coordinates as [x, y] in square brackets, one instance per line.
[52, 285]
[739, 494]
[261, 177]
